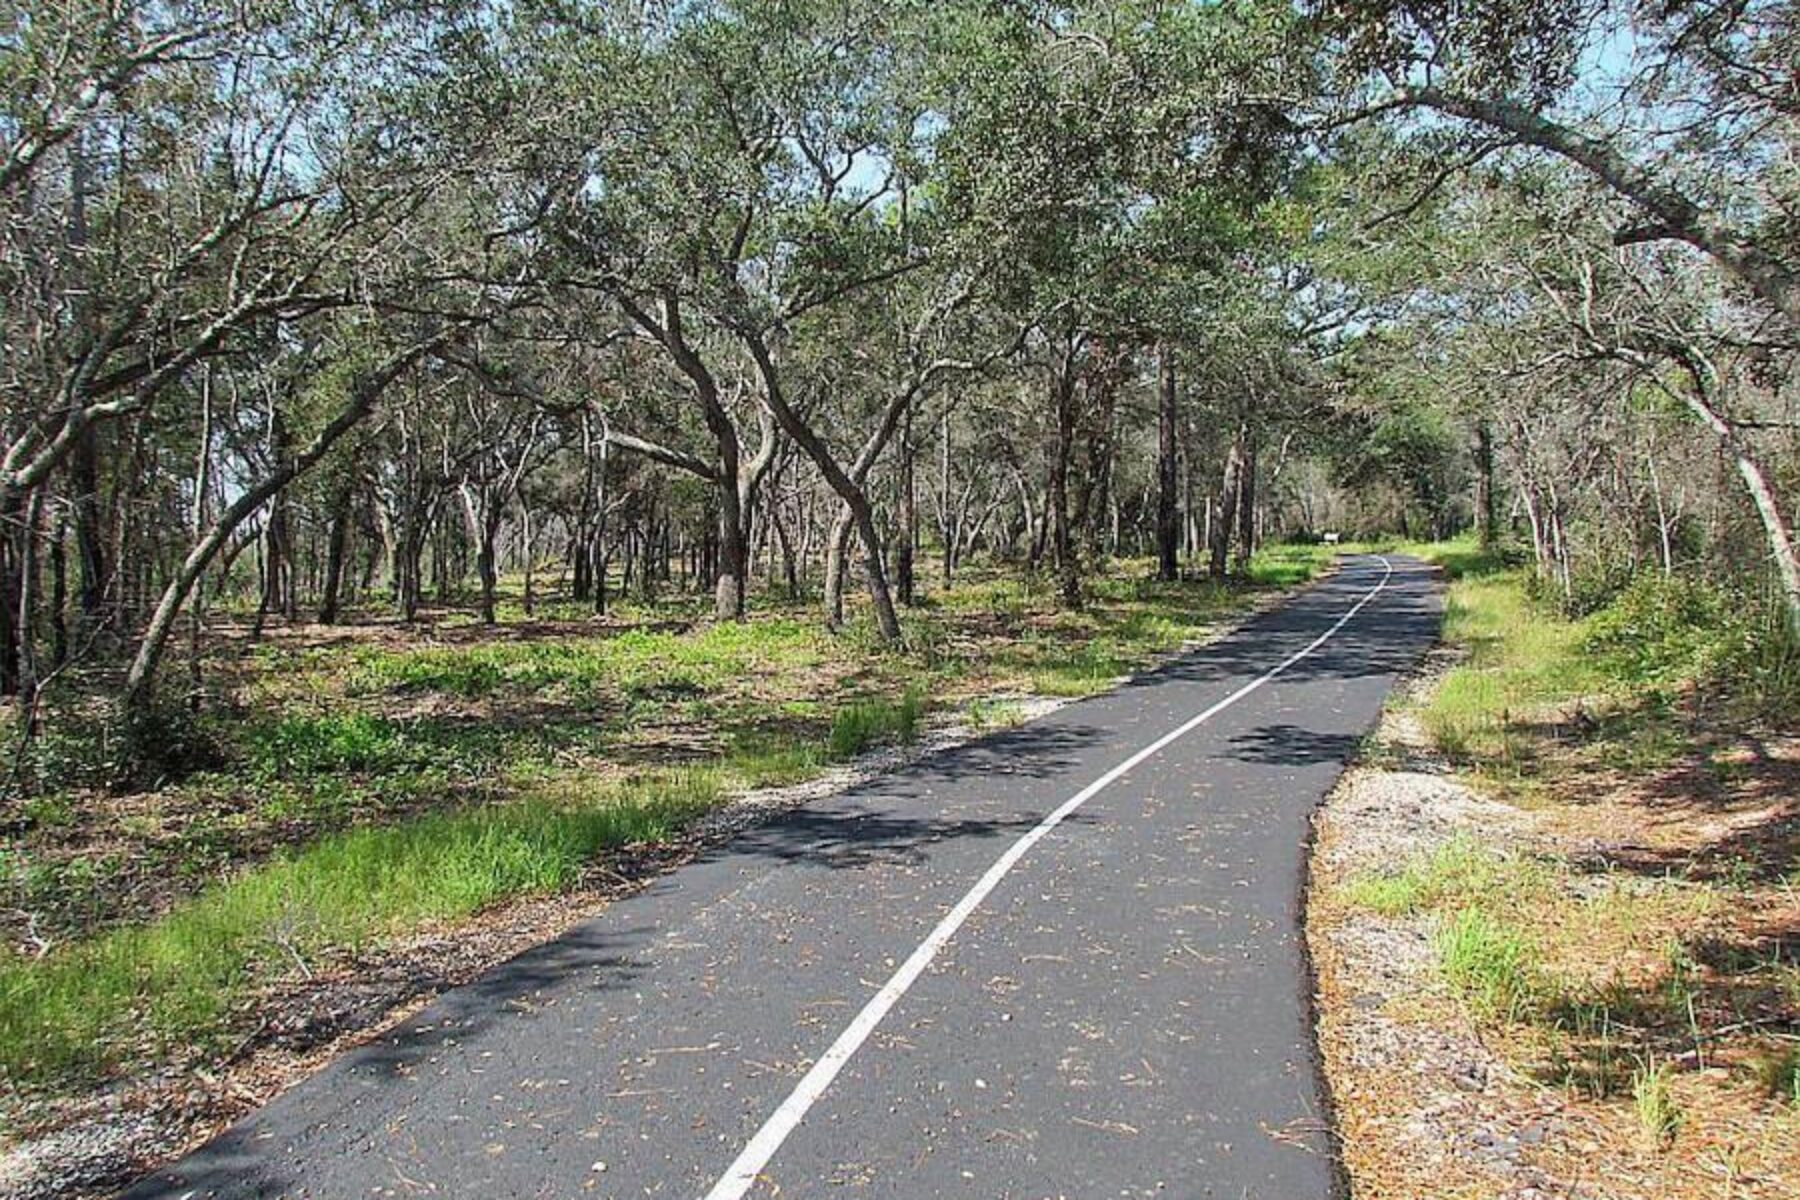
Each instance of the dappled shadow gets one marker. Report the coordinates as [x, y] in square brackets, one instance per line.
[893, 817]
[1386, 639]
[1036, 751]
[1725, 994]
[364, 1087]
[587, 958]
[1291, 745]
[1706, 778]
[891, 820]
[1721, 1000]
[1764, 849]
[897, 819]
[851, 840]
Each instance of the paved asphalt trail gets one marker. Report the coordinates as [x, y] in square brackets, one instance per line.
[1125, 1014]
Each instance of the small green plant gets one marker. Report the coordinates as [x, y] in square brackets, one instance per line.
[1681, 989]
[1588, 1029]
[1491, 967]
[1390, 893]
[313, 744]
[1459, 872]
[1091, 667]
[758, 762]
[1778, 1071]
[864, 723]
[49, 810]
[994, 714]
[1654, 1103]
[158, 740]
[1660, 631]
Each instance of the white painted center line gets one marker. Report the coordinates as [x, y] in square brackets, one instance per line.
[741, 1175]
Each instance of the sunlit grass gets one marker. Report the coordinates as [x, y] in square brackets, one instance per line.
[864, 723]
[1520, 658]
[1618, 671]
[1654, 1103]
[1490, 963]
[584, 667]
[1458, 873]
[76, 1011]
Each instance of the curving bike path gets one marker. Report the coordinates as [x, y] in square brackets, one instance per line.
[1062, 961]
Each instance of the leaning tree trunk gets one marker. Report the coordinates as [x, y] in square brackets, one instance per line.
[1780, 538]
[857, 516]
[849, 491]
[909, 514]
[140, 677]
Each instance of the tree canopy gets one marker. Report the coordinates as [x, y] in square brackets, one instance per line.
[319, 309]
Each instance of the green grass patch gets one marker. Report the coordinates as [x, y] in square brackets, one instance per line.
[312, 744]
[758, 760]
[1462, 557]
[1289, 565]
[641, 662]
[864, 723]
[984, 714]
[1491, 965]
[1083, 670]
[88, 1006]
[1489, 962]
[1651, 1099]
[1522, 657]
[1618, 672]
[1458, 873]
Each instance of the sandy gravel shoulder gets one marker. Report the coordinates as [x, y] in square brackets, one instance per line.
[1422, 1106]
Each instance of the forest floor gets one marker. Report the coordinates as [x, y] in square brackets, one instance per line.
[383, 811]
[1555, 918]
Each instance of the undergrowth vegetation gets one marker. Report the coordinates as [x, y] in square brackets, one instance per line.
[1620, 681]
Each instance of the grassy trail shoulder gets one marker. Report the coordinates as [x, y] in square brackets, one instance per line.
[1555, 910]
